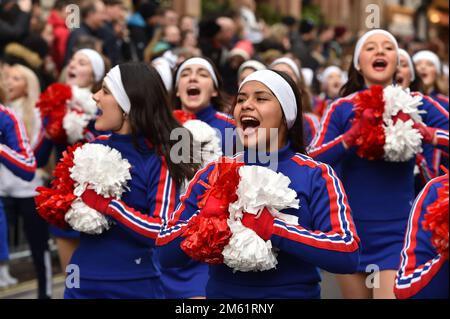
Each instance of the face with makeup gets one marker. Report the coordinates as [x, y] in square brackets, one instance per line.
[333, 83]
[111, 116]
[80, 71]
[282, 67]
[15, 84]
[404, 76]
[378, 60]
[195, 88]
[427, 72]
[257, 110]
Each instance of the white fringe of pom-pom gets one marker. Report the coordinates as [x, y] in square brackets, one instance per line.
[74, 124]
[84, 219]
[82, 98]
[206, 142]
[261, 187]
[403, 142]
[102, 169]
[246, 251]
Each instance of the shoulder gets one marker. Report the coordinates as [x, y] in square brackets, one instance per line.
[226, 118]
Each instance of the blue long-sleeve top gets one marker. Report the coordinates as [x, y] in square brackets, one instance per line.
[423, 273]
[377, 190]
[15, 149]
[222, 122]
[325, 237]
[310, 127]
[126, 250]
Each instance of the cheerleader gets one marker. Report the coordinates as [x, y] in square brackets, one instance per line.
[16, 155]
[429, 69]
[323, 235]
[310, 120]
[197, 91]
[423, 272]
[332, 79]
[247, 68]
[85, 70]
[23, 90]
[120, 262]
[380, 192]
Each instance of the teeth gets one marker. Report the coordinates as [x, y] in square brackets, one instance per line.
[247, 118]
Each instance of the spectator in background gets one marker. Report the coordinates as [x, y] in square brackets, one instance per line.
[189, 42]
[242, 51]
[252, 30]
[171, 17]
[143, 24]
[57, 19]
[304, 47]
[14, 21]
[93, 20]
[188, 23]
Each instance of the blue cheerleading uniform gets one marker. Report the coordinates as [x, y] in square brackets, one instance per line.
[120, 262]
[190, 280]
[423, 273]
[310, 126]
[17, 156]
[325, 237]
[380, 193]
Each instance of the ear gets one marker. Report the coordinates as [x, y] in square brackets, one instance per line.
[215, 93]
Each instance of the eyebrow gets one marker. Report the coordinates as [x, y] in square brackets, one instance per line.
[256, 92]
[373, 42]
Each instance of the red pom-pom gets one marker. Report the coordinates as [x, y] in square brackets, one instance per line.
[53, 203]
[436, 220]
[370, 143]
[183, 116]
[205, 238]
[52, 105]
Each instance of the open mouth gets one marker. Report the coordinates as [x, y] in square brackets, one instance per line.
[380, 65]
[71, 75]
[249, 124]
[193, 92]
[400, 80]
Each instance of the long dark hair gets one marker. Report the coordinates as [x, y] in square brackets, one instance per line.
[218, 101]
[151, 117]
[354, 83]
[417, 85]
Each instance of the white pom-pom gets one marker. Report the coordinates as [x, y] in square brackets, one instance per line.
[102, 169]
[84, 219]
[206, 142]
[261, 187]
[83, 101]
[246, 251]
[398, 99]
[403, 142]
[74, 124]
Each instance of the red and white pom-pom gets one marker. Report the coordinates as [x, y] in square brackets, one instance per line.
[258, 188]
[74, 124]
[402, 142]
[102, 169]
[246, 251]
[436, 220]
[82, 100]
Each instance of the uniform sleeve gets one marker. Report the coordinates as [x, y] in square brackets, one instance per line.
[419, 260]
[332, 243]
[169, 239]
[161, 196]
[327, 146]
[436, 117]
[16, 152]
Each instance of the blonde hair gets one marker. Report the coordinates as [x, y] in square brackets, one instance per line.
[30, 100]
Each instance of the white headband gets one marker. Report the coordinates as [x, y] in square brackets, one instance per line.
[410, 63]
[363, 39]
[165, 72]
[281, 89]
[98, 66]
[429, 56]
[251, 64]
[114, 83]
[328, 71]
[198, 61]
[290, 63]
